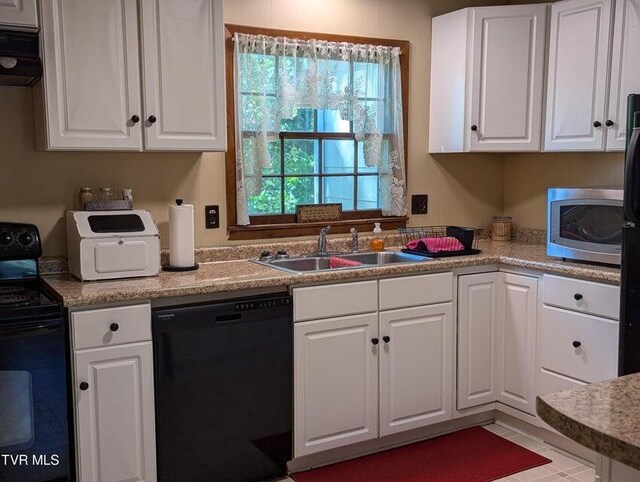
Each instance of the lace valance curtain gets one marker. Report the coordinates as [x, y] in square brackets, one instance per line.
[306, 79]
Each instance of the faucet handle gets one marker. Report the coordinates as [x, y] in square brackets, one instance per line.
[325, 230]
[354, 231]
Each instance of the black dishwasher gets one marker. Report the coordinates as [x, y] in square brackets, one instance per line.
[223, 386]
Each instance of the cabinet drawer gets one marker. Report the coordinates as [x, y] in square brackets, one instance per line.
[584, 296]
[416, 290]
[328, 301]
[594, 360]
[111, 326]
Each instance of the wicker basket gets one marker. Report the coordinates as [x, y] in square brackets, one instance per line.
[501, 228]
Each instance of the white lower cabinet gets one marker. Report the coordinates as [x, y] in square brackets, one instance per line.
[114, 413]
[362, 376]
[336, 382]
[612, 471]
[113, 394]
[416, 357]
[477, 338]
[497, 316]
[517, 317]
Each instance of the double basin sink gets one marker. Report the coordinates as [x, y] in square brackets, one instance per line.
[304, 264]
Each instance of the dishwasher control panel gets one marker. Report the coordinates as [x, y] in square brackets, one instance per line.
[260, 304]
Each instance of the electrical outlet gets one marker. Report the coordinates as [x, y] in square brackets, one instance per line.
[211, 217]
[419, 204]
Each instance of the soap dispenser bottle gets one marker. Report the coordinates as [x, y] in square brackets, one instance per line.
[377, 242]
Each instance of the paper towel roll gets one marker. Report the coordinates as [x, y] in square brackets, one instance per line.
[181, 237]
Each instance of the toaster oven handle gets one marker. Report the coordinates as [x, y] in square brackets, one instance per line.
[631, 201]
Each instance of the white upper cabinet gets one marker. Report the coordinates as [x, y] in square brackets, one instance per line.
[91, 74]
[20, 14]
[577, 78]
[487, 76]
[625, 70]
[95, 81]
[183, 56]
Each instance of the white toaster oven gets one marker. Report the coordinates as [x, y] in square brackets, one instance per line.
[112, 244]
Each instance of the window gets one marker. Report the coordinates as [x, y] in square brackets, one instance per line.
[313, 128]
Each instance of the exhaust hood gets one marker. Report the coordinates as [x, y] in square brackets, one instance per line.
[20, 63]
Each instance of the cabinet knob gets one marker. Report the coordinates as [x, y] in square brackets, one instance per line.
[386, 339]
[577, 297]
[114, 327]
[152, 119]
[576, 344]
[375, 341]
[135, 119]
[609, 123]
[84, 386]
[474, 127]
[597, 124]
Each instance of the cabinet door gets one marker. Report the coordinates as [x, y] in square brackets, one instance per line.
[335, 382]
[577, 75]
[507, 78]
[115, 414]
[91, 74]
[477, 325]
[19, 13]
[416, 360]
[516, 342]
[625, 70]
[183, 62]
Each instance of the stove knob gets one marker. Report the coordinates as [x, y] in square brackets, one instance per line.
[5, 239]
[25, 239]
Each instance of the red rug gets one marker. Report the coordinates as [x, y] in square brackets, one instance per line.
[470, 455]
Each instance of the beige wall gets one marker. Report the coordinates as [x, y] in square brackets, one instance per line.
[39, 186]
[528, 176]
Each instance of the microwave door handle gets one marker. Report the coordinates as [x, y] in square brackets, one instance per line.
[631, 202]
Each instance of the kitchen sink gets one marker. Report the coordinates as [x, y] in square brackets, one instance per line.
[305, 264]
[383, 257]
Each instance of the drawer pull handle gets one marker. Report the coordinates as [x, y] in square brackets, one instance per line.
[386, 339]
[375, 341]
[577, 296]
[576, 344]
[84, 386]
[114, 327]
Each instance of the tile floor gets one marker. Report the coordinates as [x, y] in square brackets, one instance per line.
[563, 467]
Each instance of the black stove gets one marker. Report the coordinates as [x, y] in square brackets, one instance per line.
[34, 365]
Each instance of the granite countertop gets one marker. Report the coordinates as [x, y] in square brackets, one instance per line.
[604, 417]
[231, 275]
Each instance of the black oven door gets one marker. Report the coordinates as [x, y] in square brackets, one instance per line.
[34, 432]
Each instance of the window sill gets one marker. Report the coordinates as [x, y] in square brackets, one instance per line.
[268, 231]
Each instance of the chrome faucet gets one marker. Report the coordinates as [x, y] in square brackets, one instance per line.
[322, 241]
[354, 240]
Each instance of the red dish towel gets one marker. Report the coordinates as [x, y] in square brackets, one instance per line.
[336, 262]
[436, 245]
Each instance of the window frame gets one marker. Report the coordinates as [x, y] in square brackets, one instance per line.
[285, 225]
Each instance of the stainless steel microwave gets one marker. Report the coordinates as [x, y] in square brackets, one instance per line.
[585, 224]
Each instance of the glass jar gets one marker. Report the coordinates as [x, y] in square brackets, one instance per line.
[106, 194]
[85, 195]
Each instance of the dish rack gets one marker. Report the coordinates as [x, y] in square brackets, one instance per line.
[468, 237]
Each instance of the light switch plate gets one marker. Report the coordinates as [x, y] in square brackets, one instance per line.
[419, 204]
[212, 217]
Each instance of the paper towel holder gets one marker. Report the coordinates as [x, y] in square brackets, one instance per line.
[175, 269]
